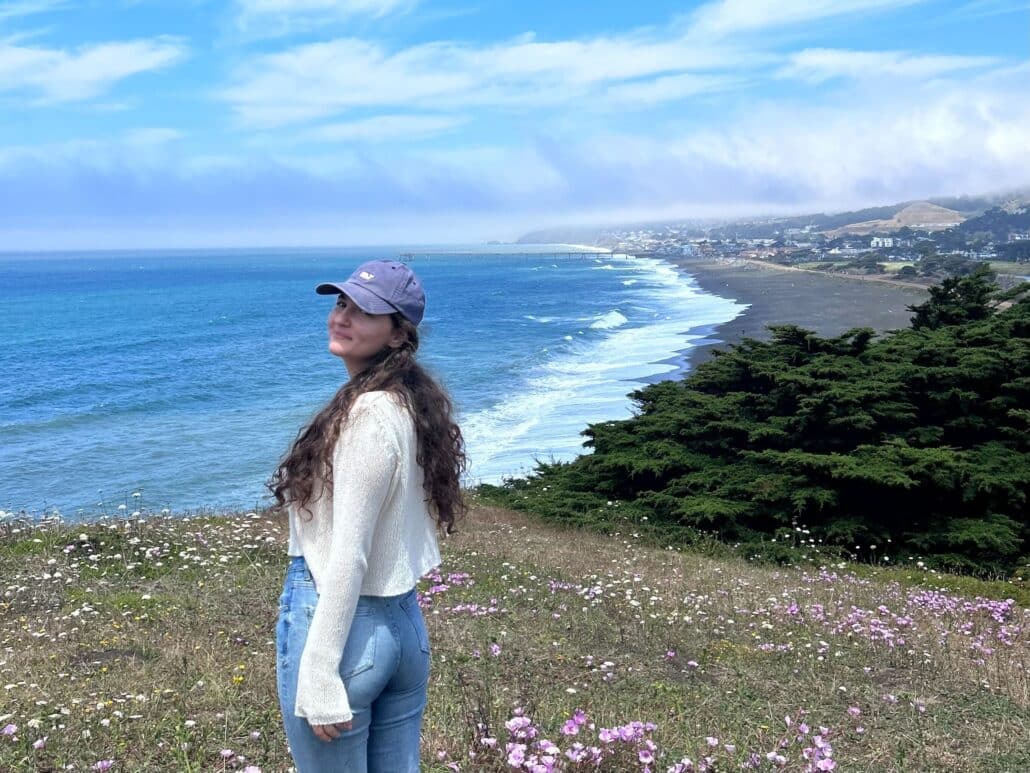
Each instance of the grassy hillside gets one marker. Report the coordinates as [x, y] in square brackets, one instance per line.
[921, 215]
[147, 646]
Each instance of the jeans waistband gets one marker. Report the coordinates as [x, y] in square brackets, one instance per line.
[298, 569]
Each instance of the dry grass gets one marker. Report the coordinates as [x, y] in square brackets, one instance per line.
[150, 644]
[922, 215]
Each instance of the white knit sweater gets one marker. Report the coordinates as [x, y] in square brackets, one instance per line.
[373, 536]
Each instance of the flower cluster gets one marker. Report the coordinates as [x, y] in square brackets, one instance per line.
[630, 747]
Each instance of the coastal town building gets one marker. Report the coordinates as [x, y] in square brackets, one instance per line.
[908, 241]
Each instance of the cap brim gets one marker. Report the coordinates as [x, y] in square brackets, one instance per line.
[367, 301]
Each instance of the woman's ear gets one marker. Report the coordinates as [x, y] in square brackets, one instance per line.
[396, 339]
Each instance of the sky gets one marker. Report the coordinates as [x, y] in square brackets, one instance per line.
[189, 123]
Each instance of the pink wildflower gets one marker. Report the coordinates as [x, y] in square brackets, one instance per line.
[516, 754]
[576, 752]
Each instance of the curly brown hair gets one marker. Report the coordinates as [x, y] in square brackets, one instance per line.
[441, 448]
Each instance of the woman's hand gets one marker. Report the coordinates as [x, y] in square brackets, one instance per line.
[330, 732]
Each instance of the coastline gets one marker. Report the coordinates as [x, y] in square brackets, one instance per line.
[773, 296]
[827, 304]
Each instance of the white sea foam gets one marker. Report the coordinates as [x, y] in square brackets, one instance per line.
[609, 321]
[629, 282]
[588, 379]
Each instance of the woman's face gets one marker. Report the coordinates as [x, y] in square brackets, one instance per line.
[356, 336]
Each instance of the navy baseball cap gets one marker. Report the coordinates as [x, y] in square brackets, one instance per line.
[382, 287]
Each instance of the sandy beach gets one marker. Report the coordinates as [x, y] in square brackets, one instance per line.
[825, 303]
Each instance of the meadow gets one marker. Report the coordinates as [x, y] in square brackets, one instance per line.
[145, 643]
[1010, 267]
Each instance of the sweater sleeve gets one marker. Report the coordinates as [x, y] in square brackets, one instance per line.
[364, 466]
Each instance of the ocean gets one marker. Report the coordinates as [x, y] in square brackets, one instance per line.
[175, 380]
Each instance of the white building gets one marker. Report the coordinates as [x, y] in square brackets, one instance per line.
[882, 241]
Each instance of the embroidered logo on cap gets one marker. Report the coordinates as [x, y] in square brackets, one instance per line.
[367, 276]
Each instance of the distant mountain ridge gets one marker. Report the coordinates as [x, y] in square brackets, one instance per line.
[935, 213]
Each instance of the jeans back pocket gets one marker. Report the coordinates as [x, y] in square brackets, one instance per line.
[359, 653]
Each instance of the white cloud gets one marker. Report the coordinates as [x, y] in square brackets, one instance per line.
[725, 17]
[271, 18]
[635, 69]
[956, 138]
[348, 7]
[384, 128]
[669, 88]
[131, 149]
[321, 79]
[946, 124]
[978, 9]
[816, 65]
[919, 141]
[638, 68]
[64, 76]
[17, 8]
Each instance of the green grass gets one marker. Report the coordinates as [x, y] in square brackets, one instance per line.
[1010, 267]
[894, 266]
[163, 667]
[822, 264]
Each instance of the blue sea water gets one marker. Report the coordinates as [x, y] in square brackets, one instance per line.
[182, 376]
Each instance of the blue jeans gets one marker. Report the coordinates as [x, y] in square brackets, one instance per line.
[385, 667]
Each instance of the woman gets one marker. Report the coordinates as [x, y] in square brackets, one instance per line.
[365, 484]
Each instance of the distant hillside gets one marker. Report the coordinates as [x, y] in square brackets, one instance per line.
[771, 228]
[922, 216]
[999, 222]
[933, 214]
[970, 206]
[563, 235]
